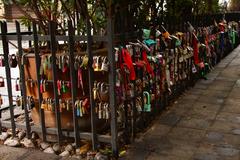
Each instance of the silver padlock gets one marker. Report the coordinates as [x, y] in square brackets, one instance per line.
[105, 64]
[100, 111]
[107, 110]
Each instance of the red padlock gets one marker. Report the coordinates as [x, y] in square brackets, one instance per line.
[1, 82]
[17, 86]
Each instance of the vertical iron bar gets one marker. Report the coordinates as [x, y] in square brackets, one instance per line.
[22, 77]
[53, 44]
[38, 64]
[30, 42]
[8, 74]
[73, 81]
[90, 80]
[112, 82]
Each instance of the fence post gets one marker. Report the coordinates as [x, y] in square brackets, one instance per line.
[90, 81]
[73, 81]
[22, 77]
[53, 44]
[112, 82]
[38, 64]
[8, 74]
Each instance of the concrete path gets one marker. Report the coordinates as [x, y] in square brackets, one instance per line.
[203, 124]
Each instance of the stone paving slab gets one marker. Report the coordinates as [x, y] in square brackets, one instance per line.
[202, 124]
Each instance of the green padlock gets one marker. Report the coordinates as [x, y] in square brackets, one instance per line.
[147, 105]
[64, 89]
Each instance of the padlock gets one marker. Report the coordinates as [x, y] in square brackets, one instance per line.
[43, 105]
[116, 54]
[84, 63]
[68, 103]
[139, 104]
[147, 101]
[49, 62]
[31, 83]
[64, 63]
[107, 111]
[44, 85]
[51, 102]
[41, 86]
[59, 62]
[59, 87]
[2, 62]
[100, 111]
[13, 61]
[45, 65]
[95, 91]
[18, 101]
[1, 82]
[17, 86]
[32, 102]
[1, 100]
[104, 111]
[105, 64]
[104, 92]
[131, 90]
[80, 108]
[64, 89]
[194, 70]
[118, 78]
[60, 105]
[96, 63]
[77, 107]
[76, 63]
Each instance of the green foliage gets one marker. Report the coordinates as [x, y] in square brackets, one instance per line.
[139, 12]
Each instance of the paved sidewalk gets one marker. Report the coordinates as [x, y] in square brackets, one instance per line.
[203, 124]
